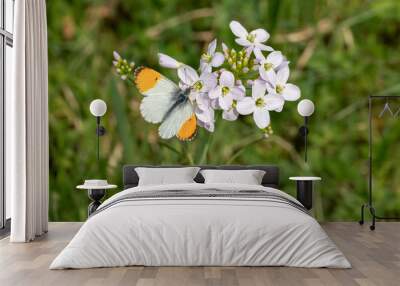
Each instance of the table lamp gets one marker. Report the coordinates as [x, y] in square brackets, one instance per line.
[306, 109]
[98, 108]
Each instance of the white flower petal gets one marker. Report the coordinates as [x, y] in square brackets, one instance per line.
[205, 118]
[280, 108]
[246, 106]
[168, 62]
[209, 81]
[218, 59]
[237, 93]
[183, 86]
[259, 56]
[215, 92]
[275, 58]
[214, 103]
[261, 117]
[282, 65]
[230, 115]
[237, 29]
[243, 42]
[203, 115]
[261, 35]
[282, 75]
[273, 102]
[291, 92]
[258, 53]
[188, 75]
[264, 47]
[203, 101]
[270, 89]
[258, 89]
[227, 79]
[211, 47]
[267, 75]
[272, 80]
[205, 67]
[225, 101]
[208, 126]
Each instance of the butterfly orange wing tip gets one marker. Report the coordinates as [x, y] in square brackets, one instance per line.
[188, 129]
[146, 78]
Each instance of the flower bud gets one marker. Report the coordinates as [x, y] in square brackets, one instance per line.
[116, 56]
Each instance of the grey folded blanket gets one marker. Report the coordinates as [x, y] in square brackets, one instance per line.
[199, 194]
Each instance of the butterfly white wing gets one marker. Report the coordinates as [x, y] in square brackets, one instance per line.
[171, 125]
[162, 87]
[154, 107]
[159, 94]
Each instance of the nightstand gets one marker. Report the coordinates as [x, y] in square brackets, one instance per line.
[96, 190]
[305, 190]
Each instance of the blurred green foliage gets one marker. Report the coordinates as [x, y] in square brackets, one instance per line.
[340, 52]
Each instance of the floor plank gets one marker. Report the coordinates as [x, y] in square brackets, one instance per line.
[375, 257]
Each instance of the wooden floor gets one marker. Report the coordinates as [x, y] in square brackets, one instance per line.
[375, 257]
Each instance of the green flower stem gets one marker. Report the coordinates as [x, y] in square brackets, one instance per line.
[203, 157]
[243, 145]
[168, 146]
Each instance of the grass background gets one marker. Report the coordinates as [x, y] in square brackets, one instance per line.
[340, 52]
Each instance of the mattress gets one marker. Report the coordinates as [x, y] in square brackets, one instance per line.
[201, 225]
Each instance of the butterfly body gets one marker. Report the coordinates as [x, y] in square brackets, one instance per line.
[164, 102]
[182, 96]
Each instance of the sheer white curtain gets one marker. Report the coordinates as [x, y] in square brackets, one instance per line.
[27, 124]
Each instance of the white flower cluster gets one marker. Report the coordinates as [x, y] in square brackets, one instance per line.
[224, 77]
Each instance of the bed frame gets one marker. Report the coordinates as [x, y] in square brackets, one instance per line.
[270, 179]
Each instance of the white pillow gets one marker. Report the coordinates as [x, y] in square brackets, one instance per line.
[166, 176]
[248, 177]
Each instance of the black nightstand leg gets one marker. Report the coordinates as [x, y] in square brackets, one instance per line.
[305, 193]
[95, 196]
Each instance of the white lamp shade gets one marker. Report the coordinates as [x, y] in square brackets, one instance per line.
[98, 107]
[305, 107]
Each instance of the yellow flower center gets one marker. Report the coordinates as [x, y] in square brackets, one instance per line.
[279, 88]
[251, 38]
[198, 85]
[268, 66]
[260, 102]
[234, 103]
[206, 57]
[225, 90]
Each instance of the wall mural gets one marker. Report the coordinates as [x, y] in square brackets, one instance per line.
[340, 52]
[236, 83]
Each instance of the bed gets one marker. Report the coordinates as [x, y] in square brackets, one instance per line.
[201, 224]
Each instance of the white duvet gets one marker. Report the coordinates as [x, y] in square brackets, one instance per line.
[200, 231]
